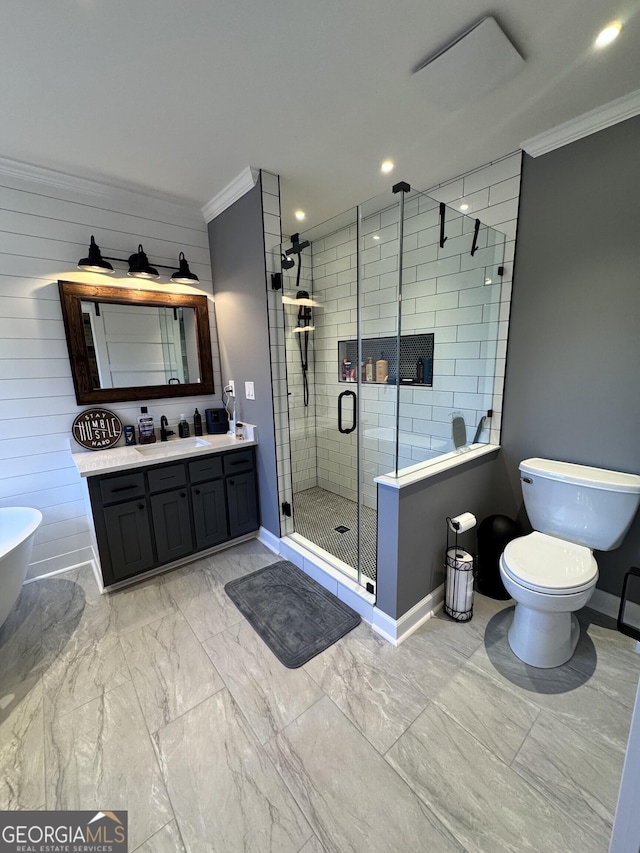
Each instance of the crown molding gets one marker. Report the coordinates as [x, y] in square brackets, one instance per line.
[577, 128]
[234, 190]
[121, 194]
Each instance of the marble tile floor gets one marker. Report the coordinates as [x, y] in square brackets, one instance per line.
[160, 699]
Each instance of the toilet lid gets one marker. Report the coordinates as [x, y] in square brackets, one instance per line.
[548, 564]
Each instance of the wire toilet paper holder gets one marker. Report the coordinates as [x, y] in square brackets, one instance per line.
[459, 572]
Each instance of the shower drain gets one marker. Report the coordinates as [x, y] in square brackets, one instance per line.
[342, 529]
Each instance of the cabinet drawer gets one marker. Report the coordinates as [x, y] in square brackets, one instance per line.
[205, 469]
[121, 488]
[169, 477]
[235, 463]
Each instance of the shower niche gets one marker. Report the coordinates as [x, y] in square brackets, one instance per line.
[415, 366]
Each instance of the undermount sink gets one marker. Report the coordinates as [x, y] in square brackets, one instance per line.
[171, 448]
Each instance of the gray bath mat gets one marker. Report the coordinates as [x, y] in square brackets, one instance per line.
[295, 616]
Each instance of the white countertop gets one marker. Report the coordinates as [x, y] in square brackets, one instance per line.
[92, 462]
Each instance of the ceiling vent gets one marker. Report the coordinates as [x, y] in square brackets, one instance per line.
[469, 67]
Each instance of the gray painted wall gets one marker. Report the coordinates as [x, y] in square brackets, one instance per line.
[572, 387]
[236, 240]
[412, 528]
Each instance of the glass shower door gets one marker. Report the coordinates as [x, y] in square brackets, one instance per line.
[323, 418]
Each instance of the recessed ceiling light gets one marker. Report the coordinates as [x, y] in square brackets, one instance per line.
[608, 34]
[464, 206]
[387, 167]
[300, 215]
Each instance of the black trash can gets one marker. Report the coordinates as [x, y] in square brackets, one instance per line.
[494, 534]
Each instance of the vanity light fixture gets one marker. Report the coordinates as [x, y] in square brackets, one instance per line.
[139, 266]
[95, 262]
[184, 274]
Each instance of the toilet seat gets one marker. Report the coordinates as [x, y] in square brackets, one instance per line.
[549, 565]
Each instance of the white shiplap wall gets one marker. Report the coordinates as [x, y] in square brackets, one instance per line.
[45, 225]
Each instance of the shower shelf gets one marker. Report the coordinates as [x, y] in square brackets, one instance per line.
[412, 348]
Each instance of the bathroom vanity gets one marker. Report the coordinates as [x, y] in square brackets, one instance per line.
[155, 507]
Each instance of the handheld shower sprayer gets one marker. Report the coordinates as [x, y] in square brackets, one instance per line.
[304, 311]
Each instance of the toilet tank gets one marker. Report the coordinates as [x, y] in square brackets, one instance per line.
[589, 506]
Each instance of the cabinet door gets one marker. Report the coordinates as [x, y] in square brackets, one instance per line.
[172, 525]
[243, 503]
[129, 537]
[209, 514]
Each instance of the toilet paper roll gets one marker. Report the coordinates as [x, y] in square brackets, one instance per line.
[459, 585]
[462, 522]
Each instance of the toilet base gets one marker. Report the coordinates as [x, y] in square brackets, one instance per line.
[543, 639]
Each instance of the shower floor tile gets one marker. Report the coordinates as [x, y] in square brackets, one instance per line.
[331, 522]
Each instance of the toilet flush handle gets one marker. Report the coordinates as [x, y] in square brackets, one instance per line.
[526, 480]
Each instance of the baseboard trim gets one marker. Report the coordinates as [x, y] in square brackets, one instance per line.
[605, 602]
[396, 631]
[269, 540]
[59, 563]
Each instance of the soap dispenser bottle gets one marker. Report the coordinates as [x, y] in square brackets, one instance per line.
[146, 429]
[197, 423]
[183, 427]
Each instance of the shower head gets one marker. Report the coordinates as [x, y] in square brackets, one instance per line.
[287, 262]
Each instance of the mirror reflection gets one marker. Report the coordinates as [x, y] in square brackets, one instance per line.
[130, 345]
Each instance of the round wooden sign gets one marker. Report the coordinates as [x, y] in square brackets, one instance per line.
[97, 429]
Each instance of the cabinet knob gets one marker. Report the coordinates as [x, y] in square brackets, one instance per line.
[232, 482]
[183, 495]
[140, 506]
[197, 491]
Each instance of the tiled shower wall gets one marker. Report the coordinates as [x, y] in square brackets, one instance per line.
[444, 291]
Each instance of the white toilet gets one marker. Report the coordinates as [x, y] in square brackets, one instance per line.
[552, 572]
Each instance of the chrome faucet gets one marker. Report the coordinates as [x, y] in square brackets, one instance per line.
[164, 432]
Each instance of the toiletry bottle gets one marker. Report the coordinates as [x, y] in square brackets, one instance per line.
[382, 369]
[420, 371]
[183, 427]
[197, 423]
[146, 430]
[369, 369]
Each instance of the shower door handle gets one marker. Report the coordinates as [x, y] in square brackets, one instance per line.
[347, 430]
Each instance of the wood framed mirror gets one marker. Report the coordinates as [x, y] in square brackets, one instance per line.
[126, 344]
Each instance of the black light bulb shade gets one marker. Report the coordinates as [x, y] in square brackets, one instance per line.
[139, 266]
[95, 262]
[183, 275]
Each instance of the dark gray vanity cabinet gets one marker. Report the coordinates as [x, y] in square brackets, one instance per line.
[128, 532]
[242, 496]
[209, 502]
[162, 513]
[170, 512]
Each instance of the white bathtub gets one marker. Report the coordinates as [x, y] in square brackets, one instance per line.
[18, 525]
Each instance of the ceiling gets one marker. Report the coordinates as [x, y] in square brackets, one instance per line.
[179, 97]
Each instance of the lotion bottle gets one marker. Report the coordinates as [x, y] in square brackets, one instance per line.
[197, 423]
[183, 427]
